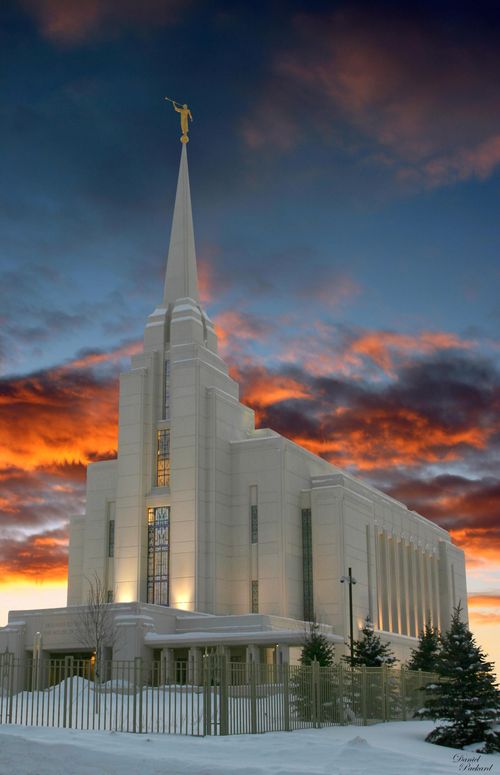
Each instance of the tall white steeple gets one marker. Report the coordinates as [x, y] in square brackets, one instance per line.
[181, 279]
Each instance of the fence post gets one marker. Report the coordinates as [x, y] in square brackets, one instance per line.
[71, 673]
[207, 695]
[315, 693]
[138, 669]
[340, 673]
[10, 685]
[402, 692]
[137, 687]
[286, 696]
[65, 691]
[364, 693]
[223, 702]
[253, 697]
[384, 691]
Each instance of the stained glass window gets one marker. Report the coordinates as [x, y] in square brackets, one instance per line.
[254, 524]
[163, 458]
[307, 566]
[255, 597]
[111, 538]
[166, 404]
[158, 555]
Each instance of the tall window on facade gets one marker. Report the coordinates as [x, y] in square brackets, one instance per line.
[254, 515]
[254, 524]
[307, 565]
[255, 597]
[166, 391]
[111, 538]
[158, 555]
[163, 458]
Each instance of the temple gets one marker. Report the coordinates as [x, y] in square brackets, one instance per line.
[206, 532]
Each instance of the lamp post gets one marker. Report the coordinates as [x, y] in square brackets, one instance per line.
[349, 579]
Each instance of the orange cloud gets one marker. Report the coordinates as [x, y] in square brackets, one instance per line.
[62, 416]
[382, 346]
[479, 599]
[42, 557]
[233, 327]
[484, 608]
[262, 390]
[59, 419]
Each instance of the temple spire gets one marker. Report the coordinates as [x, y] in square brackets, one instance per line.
[181, 279]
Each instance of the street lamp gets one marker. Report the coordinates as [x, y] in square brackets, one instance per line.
[350, 580]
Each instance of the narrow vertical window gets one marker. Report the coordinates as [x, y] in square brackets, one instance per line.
[307, 566]
[255, 597]
[158, 555]
[110, 596]
[254, 515]
[254, 525]
[111, 538]
[166, 390]
[163, 458]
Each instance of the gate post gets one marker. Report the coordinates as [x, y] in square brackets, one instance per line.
[224, 700]
[364, 697]
[253, 696]
[207, 695]
[340, 673]
[286, 695]
[71, 673]
[384, 690]
[315, 696]
[402, 692]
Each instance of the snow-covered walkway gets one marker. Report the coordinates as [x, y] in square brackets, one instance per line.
[397, 748]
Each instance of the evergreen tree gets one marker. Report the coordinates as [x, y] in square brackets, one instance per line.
[317, 647]
[465, 695]
[369, 649]
[425, 656]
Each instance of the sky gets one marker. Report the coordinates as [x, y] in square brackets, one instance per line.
[344, 163]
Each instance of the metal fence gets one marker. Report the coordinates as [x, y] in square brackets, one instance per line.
[219, 698]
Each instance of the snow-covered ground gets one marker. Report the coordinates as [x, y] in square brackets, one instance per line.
[396, 748]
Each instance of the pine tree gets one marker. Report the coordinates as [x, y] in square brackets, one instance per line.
[465, 695]
[317, 647]
[369, 649]
[425, 656]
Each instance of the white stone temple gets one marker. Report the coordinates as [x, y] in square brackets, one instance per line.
[208, 532]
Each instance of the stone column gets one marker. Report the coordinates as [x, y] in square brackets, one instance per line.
[282, 654]
[194, 665]
[167, 666]
[252, 657]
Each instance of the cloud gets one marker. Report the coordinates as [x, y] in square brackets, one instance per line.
[334, 290]
[436, 407]
[57, 416]
[402, 91]
[438, 410]
[235, 327]
[52, 424]
[73, 21]
[484, 608]
[44, 555]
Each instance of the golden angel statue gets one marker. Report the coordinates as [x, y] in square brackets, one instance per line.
[185, 116]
